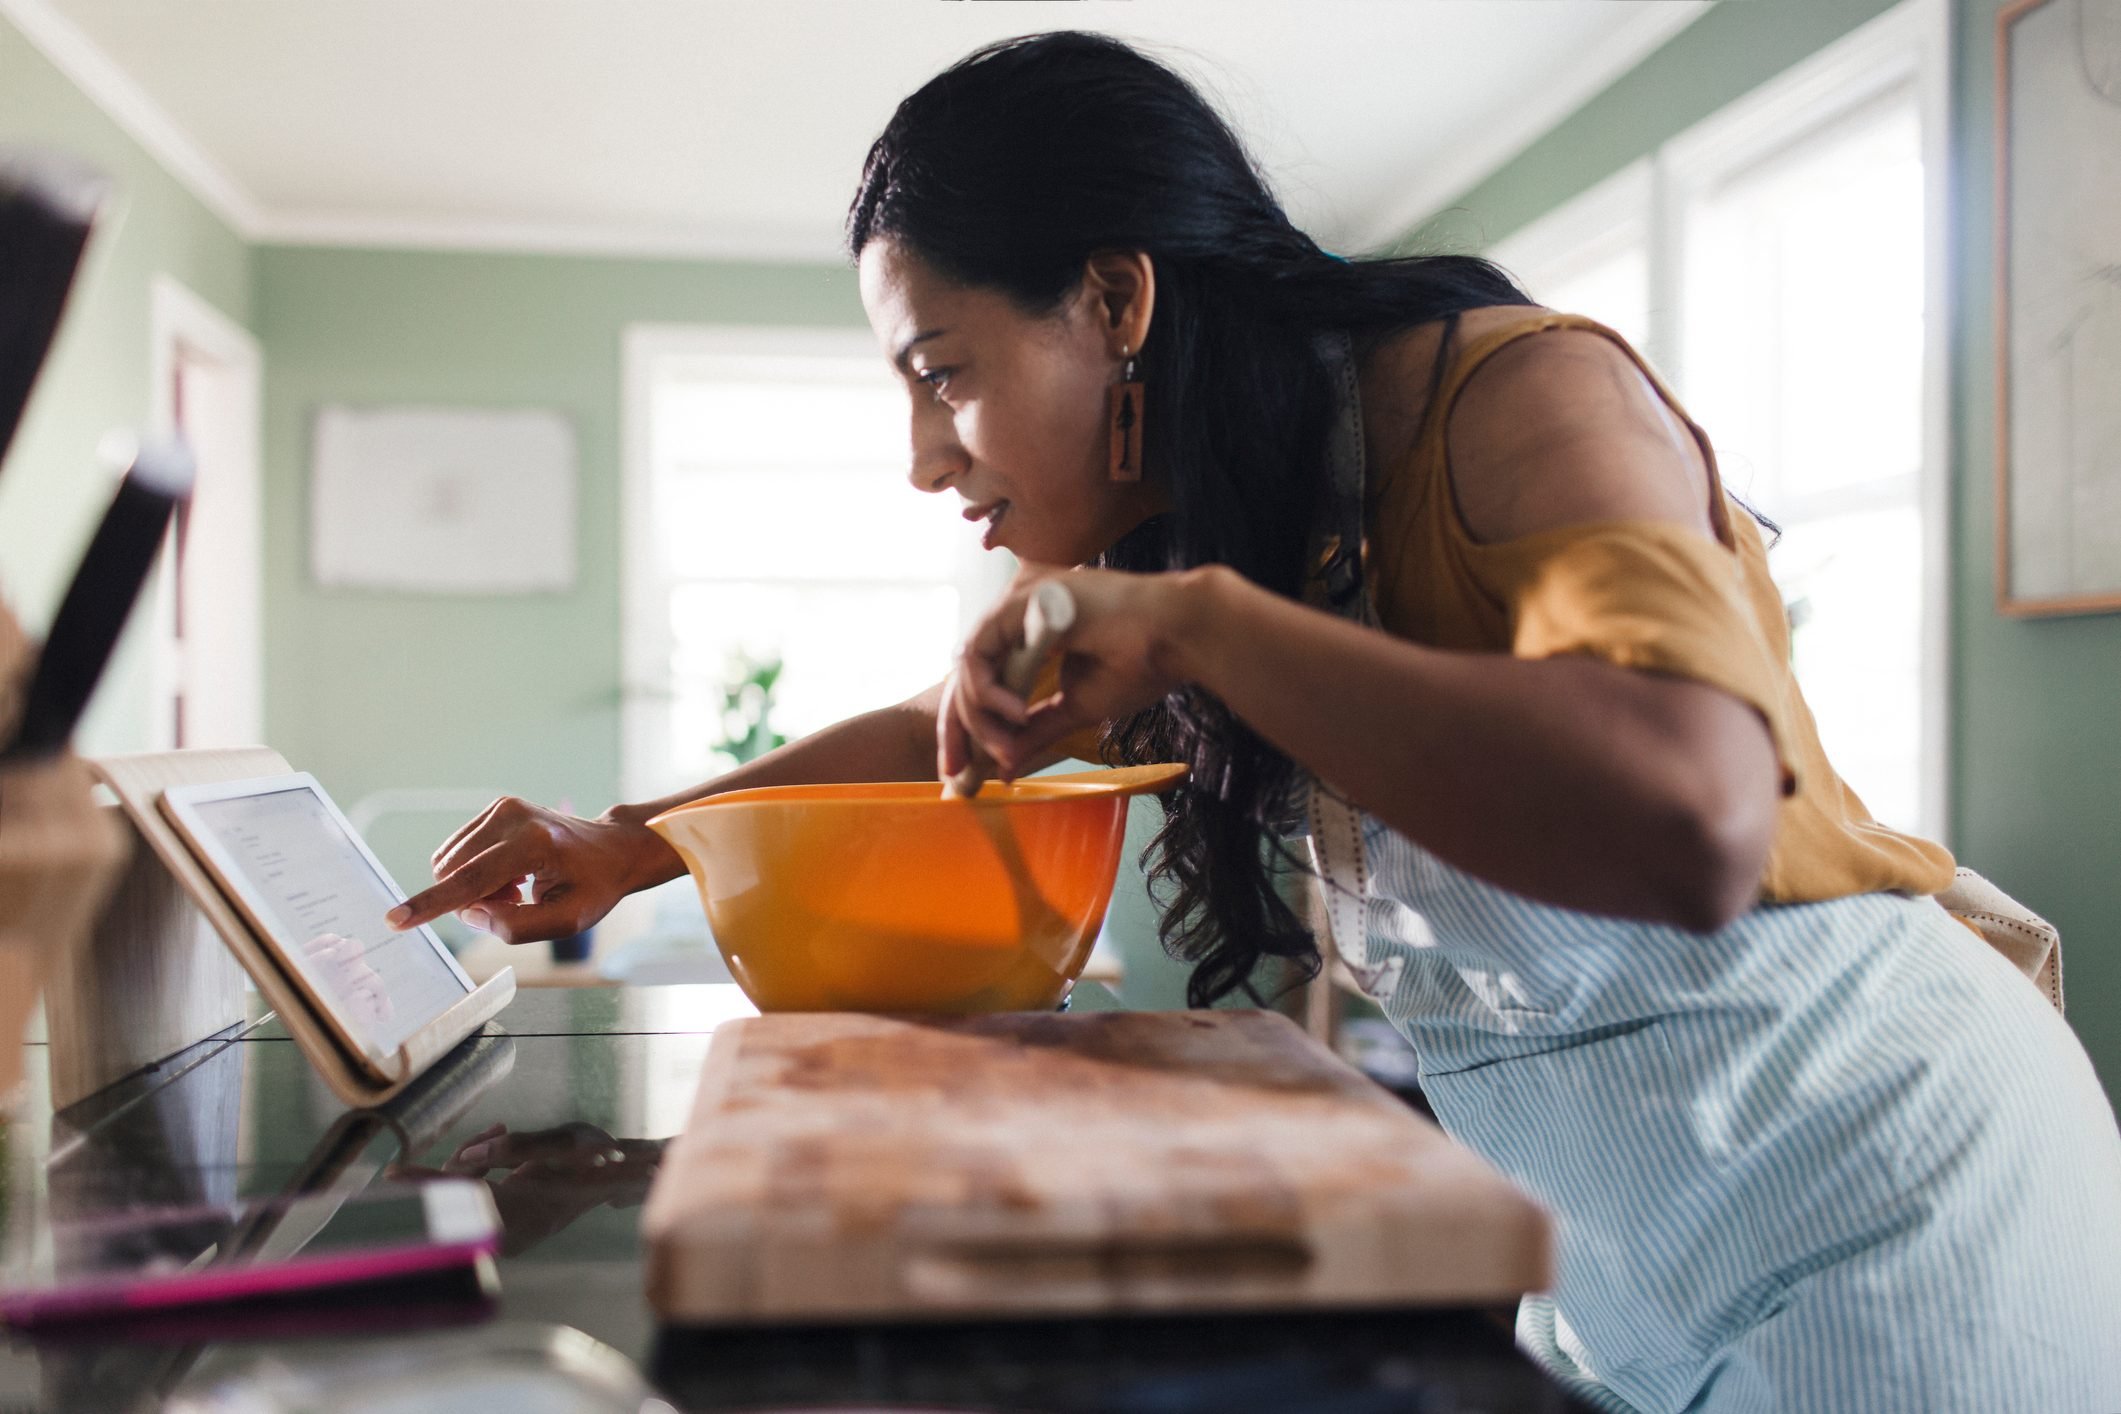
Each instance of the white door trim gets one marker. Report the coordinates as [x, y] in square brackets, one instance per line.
[180, 320]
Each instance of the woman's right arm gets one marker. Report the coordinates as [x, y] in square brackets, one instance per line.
[580, 868]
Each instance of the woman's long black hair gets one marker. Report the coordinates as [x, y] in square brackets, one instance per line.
[1007, 172]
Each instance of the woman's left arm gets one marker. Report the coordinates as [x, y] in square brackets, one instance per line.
[1569, 780]
[1564, 779]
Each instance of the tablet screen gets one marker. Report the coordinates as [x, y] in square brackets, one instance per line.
[321, 898]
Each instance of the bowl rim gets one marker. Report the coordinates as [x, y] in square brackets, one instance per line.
[1111, 783]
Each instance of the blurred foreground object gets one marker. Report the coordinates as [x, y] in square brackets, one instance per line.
[58, 855]
[85, 630]
[47, 208]
[57, 852]
[508, 1365]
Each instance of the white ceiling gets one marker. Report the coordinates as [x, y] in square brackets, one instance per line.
[737, 127]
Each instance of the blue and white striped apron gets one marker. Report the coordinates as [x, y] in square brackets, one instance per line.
[1835, 1156]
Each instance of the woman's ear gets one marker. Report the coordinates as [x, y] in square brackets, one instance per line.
[1122, 286]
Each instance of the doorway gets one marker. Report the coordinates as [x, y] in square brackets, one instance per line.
[208, 679]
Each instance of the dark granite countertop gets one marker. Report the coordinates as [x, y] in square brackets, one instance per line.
[240, 1117]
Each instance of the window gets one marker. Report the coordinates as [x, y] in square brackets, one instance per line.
[770, 522]
[1782, 263]
[1804, 356]
[1592, 256]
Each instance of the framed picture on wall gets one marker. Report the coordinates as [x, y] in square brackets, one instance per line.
[439, 500]
[2058, 307]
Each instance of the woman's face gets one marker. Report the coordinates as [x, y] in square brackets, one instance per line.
[1009, 409]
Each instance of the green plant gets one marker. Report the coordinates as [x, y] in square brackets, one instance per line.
[747, 708]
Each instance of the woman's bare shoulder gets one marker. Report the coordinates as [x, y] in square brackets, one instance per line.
[1566, 428]
[1405, 359]
[1396, 372]
[1552, 430]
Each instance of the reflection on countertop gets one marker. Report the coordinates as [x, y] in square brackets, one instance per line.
[562, 1107]
[532, 1104]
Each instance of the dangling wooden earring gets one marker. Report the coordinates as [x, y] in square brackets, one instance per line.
[1124, 407]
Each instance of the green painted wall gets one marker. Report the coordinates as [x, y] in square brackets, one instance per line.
[2036, 758]
[1727, 52]
[520, 692]
[96, 380]
[2036, 754]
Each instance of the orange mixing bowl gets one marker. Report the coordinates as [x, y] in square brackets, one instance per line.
[896, 898]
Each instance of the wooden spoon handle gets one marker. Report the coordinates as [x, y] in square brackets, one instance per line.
[1048, 615]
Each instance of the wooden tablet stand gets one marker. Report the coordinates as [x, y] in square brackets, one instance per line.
[138, 782]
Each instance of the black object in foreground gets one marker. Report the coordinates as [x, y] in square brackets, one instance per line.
[100, 599]
[1452, 1361]
[47, 207]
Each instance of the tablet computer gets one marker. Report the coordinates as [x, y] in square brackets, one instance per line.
[315, 895]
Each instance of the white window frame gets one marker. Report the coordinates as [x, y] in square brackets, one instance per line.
[645, 634]
[1586, 229]
[1906, 47]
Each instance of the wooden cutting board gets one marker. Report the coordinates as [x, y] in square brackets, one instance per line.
[847, 1166]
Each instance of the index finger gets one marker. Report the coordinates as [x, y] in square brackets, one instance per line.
[501, 864]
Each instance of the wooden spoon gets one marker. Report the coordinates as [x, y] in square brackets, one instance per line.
[1049, 613]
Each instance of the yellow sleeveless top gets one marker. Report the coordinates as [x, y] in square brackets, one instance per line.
[1637, 594]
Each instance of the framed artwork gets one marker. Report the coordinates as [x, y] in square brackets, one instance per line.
[2058, 307]
[431, 500]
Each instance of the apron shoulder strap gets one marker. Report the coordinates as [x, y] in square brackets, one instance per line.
[1339, 586]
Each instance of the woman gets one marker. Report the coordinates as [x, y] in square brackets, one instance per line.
[1465, 563]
